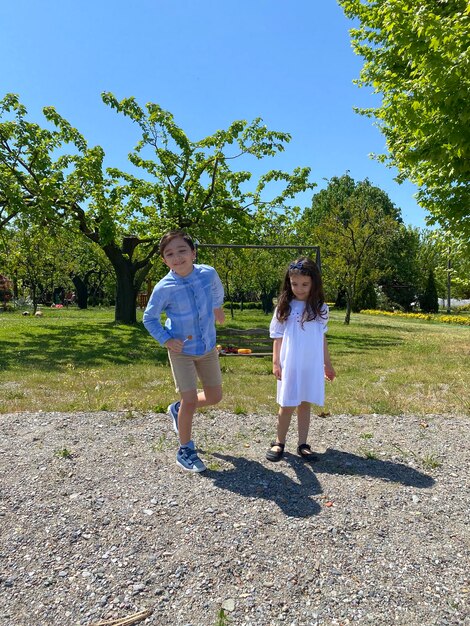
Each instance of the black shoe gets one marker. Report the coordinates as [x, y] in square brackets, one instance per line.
[305, 451]
[275, 455]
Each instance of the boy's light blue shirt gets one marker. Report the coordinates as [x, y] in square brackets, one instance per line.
[189, 303]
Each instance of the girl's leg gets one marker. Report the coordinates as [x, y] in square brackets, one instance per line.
[283, 422]
[284, 417]
[303, 421]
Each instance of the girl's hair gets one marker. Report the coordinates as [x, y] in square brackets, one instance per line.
[302, 266]
[174, 234]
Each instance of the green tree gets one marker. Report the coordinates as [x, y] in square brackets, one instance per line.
[34, 259]
[355, 224]
[400, 271]
[90, 271]
[417, 56]
[428, 299]
[184, 184]
[449, 258]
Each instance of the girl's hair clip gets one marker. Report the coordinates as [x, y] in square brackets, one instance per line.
[296, 266]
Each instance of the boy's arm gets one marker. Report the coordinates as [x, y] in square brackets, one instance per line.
[219, 315]
[218, 298]
[330, 373]
[277, 343]
[151, 318]
[217, 291]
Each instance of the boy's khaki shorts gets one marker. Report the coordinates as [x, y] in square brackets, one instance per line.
[186, 369]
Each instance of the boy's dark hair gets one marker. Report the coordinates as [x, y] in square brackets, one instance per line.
[302, 266]
[174, 234]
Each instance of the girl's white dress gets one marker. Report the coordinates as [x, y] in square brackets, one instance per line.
[302, 359]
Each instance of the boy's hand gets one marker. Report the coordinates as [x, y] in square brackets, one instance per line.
[330, 373]
[219, 316]
[175, 345]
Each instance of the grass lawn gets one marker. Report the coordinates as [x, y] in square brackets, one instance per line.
[70, 360]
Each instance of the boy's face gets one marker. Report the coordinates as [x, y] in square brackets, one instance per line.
[179, 257]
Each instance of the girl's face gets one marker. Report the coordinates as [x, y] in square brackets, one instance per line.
[301, 286]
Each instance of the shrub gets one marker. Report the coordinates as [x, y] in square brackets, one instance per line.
[447, 319]
[243, 305]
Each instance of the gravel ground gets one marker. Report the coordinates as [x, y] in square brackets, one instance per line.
[375, 532]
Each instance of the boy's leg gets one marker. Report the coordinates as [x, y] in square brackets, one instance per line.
[185, 376]
[209, 396]
[189, 403]
[303, 421]
[208, 371]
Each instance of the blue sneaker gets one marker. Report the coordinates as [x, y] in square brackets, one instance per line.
[172, 410]
[188, 459]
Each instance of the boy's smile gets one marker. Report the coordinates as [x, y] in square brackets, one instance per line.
[179, 257]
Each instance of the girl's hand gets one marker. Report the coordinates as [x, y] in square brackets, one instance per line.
[277, 370]
[175, 345]
[330, 373]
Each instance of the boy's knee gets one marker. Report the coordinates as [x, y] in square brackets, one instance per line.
[214, 396]
[189, 401]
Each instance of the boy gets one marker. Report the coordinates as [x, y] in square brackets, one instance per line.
[191, 297]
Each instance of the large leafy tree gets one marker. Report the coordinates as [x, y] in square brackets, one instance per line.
[417, 56]
[353, 223]
[53, 176]
[400, 271]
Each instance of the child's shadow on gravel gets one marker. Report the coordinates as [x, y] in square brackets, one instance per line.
[252, 479]
[338, 462]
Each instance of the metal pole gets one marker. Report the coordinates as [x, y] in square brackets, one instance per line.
[449, 267]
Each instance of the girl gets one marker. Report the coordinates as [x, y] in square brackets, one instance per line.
[300, 353]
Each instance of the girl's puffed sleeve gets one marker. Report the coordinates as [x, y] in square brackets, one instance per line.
[276, 328]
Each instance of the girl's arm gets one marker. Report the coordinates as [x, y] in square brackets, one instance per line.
[330, 373]
[277, 343]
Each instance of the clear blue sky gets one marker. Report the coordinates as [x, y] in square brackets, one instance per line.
[209, 62]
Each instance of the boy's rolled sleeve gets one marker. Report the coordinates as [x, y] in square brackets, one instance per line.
[152, 318]
[217, 291]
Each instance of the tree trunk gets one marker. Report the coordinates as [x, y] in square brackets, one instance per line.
[35, 297]
[126, 295]
[129, 277]
[348, 310]
[81, 291]
[267, 301]
[228, 295]
[127, 286]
